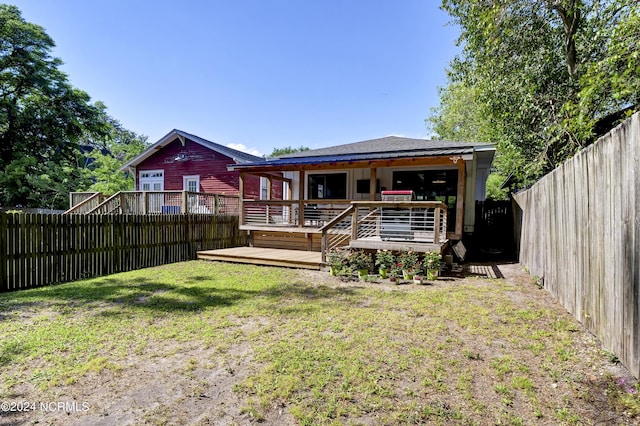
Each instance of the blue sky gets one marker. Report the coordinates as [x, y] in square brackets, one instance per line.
[256, 73]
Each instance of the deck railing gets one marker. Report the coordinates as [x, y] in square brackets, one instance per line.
[159, 202]
[287, 213]
[341, 222]
[421, 222]
[84, 202]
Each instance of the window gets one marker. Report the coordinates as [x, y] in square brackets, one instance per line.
[362, 186]
[264, 188]
[329, 186]
[191, 183]
[152, 180]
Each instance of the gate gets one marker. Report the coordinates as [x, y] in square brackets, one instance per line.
[493, 232]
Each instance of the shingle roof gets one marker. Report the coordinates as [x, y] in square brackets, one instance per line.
[237, 156]
[389, 144]
[383, 148]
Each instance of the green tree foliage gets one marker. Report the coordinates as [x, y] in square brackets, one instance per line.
[42, 118]
[539, 78]
[494, 190]
[106, 153]
[277, 152]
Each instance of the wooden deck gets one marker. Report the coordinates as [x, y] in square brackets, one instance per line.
[265, 256]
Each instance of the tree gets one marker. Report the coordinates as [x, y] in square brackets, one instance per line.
[277, 152]
[42, 118]
[525, 73]
[106, 153]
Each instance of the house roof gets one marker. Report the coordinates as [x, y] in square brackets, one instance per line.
[237, 156]
[389, 147]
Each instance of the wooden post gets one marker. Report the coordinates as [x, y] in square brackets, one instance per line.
[269, 183]
[216, 202]
[373, 184]
[185, 202]
[323, 246]
[122, 201]
[354, 224]
[4, 276]
[436, 225]
[462, 177]
[145, 202]
[301, 185]
[241, 199]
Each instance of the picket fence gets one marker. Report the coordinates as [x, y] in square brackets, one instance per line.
[40, 249]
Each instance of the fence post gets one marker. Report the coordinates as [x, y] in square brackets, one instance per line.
[4, 258]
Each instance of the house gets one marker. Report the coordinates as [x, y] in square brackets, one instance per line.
[185, 162]
[333, 196]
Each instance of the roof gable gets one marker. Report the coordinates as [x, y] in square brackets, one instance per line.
[238, 157]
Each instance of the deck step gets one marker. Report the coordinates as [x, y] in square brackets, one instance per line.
[265, 256]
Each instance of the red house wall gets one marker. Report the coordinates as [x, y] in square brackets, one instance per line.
[210, 165]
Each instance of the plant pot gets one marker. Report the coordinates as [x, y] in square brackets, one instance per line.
[333, 271]
[384, 273]
[432, 274]
[407, 275]
[394, 280]
[363, 274]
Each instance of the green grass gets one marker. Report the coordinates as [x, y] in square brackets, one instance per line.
[462, 353]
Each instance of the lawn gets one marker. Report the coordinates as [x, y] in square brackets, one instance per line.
[214, 343]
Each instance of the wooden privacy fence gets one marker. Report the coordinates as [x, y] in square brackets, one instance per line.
[581, 236]
[39, 249]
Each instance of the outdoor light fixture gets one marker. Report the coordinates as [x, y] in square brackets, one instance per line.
[180, 157]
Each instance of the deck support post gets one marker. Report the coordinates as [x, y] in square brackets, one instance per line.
[301, 184]
[373, 184]
[241, 199]
[354, 224]
[185, 203]
[462, 178]
[436, 225]
[145, 202]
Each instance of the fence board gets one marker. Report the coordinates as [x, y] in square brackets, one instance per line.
[580, 231]
[39, 249]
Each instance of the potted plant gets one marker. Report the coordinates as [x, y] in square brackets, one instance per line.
[432, 261]
[336, 259]
[385, 260]
[417, 279]
[408, 260]
[361, 261]
[395, 272]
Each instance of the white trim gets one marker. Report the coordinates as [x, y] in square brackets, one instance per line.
[151, 179]
[187, 179]
[264, 187]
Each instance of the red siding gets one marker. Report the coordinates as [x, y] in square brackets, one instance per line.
[211, 166]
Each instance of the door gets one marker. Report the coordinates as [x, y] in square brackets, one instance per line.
[153, 180]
